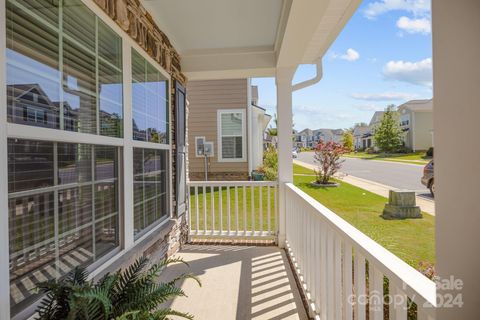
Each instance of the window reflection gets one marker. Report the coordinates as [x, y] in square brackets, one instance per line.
[75, 85]
[149, 91]
[82, 204]
[150, 188]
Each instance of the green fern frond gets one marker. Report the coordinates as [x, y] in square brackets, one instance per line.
[163, 313]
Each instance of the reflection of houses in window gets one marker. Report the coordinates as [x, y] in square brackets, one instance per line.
[29, 104]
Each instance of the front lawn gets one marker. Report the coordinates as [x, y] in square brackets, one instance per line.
[418, 157]
[412, 240]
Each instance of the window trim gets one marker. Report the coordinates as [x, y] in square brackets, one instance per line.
[126, 142]
[220, 157]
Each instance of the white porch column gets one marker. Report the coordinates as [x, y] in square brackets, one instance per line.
[456, 98]
[4, 249]
[284, 78]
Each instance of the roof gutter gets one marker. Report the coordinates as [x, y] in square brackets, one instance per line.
[314, 80]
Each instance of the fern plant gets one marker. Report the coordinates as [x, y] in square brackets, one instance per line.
[132, 294]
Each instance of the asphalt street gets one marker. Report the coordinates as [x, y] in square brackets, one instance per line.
[394, 174]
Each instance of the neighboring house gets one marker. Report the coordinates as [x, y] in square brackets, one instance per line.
[359, 132]
[308, 138]
[223, 116]
[367, 140]
[416, 120]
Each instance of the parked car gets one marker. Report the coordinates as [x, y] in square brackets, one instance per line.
[427, 179]
[294, 153]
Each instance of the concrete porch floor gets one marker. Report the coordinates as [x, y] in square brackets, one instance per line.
[238, 282]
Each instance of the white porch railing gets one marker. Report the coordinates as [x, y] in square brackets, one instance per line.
[342, 270]
[233, 209]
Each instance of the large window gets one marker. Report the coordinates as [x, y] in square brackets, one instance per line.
[64, 68]
[150, 188]
[149, 101]
[63, 210]
[231, 135]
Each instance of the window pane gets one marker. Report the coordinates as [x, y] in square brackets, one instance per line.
[150, 187]
[231, 124]
[30, 165]
[105, 162]
[79, 87]
[228, 147]
[150, 105]
[32, 245]
[86, 212]
[106, 236]
[33, 79]
[74, 208]
[238, 147]
[74, 163]
[79, 24]
[110, 82]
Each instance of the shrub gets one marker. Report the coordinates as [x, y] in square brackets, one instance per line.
[270, 163]
[327, 155]
[429, 152]
[134, 293]
[370, 150]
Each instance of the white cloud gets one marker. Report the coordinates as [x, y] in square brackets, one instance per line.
[422, 25]
[314, 117]
[384, 96]
[419, 73]
[370, 107]
[350, 55]
[416, 7]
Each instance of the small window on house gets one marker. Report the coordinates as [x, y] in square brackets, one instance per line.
[231, 135]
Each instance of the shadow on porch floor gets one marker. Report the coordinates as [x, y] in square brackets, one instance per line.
[238, 282]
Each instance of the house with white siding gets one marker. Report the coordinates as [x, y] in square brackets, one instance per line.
[416, 121]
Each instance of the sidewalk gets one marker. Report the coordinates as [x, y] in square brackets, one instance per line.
[427, 206]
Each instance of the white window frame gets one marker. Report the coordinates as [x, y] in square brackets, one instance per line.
[219, 135]
[20, 131]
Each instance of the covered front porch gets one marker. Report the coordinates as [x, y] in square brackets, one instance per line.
[238, 282]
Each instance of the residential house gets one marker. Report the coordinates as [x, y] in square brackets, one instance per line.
[77, 195]
[224, 117]
[416, 121]
[359, 133]
[308, 138]
[368, 141]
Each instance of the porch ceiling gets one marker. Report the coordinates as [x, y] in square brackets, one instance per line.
[249, 38]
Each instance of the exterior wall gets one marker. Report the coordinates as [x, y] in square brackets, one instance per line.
[456, 48]
[205, 99]
[422, 130]
[163, 239]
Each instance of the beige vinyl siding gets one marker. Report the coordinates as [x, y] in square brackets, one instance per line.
[205, 99]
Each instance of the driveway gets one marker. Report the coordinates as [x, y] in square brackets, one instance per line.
[397, 175]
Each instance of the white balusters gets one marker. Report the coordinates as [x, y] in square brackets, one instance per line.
[233, 210]
[331, 257]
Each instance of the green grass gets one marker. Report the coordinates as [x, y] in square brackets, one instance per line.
[261, 215]
[415, 157]
[412, 240]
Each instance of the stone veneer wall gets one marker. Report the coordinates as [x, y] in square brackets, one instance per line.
[132, 17]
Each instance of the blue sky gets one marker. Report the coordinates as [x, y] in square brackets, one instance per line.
[382, 57]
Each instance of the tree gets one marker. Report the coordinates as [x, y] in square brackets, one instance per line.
[347, 140]
[388, 135]
[327, 155]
